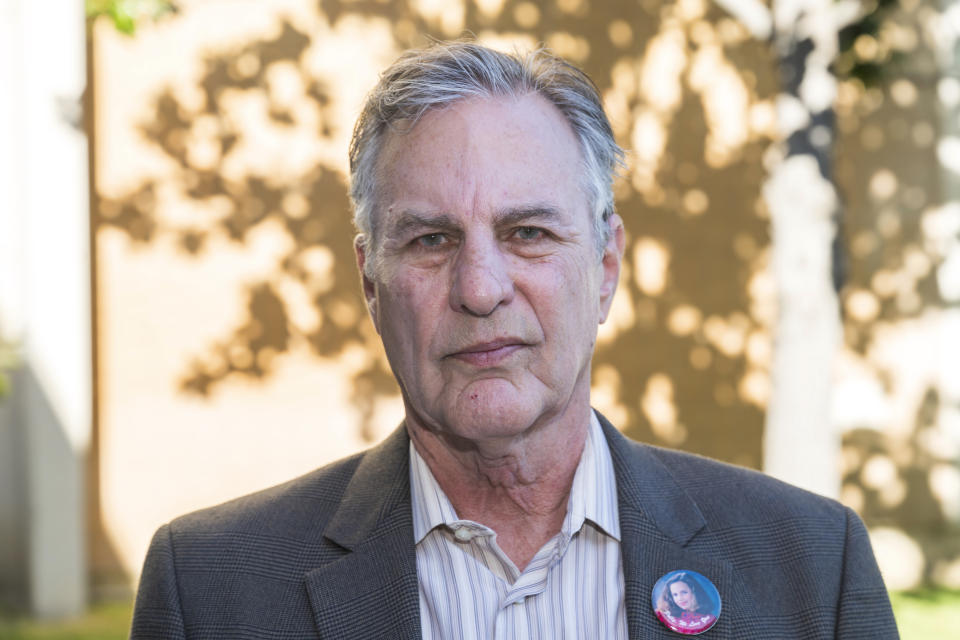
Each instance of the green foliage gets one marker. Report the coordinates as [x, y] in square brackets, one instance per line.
[8, 360]
[870, 59]
[126, 14]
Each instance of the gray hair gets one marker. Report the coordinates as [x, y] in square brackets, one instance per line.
[446, 72]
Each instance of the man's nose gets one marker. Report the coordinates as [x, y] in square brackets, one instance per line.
[481, 279]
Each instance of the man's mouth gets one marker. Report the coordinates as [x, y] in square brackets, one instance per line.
[488, 354]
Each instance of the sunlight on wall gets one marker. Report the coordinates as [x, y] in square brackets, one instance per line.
[658, 406]
[899, 556]
[660, 72]
[945, 483]
[684, 320]
[605, 394]
[726, 103]
[651, 260]
[733, 113]
[507, 41]
[447, 15]
[941, 226]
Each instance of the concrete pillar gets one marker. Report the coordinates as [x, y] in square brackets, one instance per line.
[45, 298]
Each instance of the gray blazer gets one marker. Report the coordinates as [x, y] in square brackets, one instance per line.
[331, 554]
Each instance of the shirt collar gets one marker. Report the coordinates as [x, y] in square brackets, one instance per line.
[593, 495]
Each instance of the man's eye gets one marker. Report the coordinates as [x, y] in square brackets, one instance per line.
[528, 233]
[432, 240]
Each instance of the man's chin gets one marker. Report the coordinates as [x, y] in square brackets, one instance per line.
[494, 411]
[476, 429]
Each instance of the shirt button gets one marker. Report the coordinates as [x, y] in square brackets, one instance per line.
[463, 535]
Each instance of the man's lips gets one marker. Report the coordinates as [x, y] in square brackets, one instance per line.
[488, 354]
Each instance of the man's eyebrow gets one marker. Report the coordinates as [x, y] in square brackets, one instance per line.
[409, 220]
[515, 215]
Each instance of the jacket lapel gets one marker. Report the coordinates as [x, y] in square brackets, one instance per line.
[371, 592]
[659, 522]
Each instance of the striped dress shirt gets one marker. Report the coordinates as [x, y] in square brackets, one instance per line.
[573, 587]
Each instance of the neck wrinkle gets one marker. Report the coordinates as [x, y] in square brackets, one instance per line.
[527, 481]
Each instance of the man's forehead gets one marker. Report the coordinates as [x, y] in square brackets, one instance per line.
[508, 151]
[470, 122]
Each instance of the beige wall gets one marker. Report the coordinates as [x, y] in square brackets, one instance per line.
[168, 317]
[234, 351]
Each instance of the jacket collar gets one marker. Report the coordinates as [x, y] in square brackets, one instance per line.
[660, 524]
[646, 487]
[375, 587]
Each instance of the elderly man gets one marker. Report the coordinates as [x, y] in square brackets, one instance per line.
[504, 507]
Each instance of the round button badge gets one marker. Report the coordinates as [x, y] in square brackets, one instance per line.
[686, 602]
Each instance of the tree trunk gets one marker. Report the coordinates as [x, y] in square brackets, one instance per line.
[800, 445]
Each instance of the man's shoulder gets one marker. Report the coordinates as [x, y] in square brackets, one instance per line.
[238, 569]
[727, 493]
[760, 526]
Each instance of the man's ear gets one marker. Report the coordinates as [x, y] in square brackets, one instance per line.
[369, 286]
[610, 264]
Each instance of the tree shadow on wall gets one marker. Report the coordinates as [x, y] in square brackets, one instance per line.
[714, 251]
[312, 209]
[899, 230]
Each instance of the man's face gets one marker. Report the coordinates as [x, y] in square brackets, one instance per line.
[489, 288]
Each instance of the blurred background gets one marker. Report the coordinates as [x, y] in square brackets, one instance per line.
[180, 313]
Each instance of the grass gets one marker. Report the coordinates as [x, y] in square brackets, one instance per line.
[102, 622]
[922, 614]
[927, 613]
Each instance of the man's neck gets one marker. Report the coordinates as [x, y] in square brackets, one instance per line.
[519, 488]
